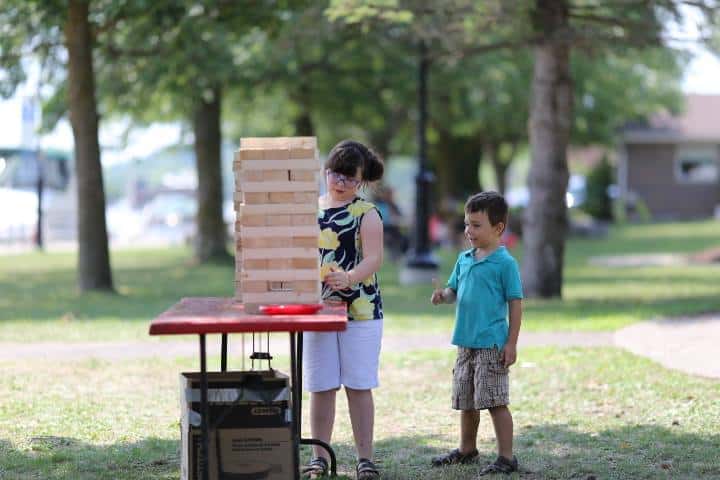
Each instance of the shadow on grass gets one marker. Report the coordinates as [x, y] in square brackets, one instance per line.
[62, 458]
[544, 451]
[562, 452]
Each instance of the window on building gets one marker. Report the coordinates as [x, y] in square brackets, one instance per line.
[697, 164]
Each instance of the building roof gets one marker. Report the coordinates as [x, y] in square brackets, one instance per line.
[699, 122]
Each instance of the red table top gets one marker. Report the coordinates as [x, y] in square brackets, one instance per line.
[227, 315]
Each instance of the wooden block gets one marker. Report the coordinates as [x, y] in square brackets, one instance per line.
[278, 275]
[253, 220]
[251, 176]
[282, 186]
[304, 242]
[283, 233]
[279, 286]
[304, 219]
[253, 264]
[280, 197]
[305, 197]
[279, 297]
[254, 286]
[305, 262]
[303, 176]
[276, 154]
[294, 164]
[244, 244]
[250, 307]
[307, 142]
[255, 197]
[279, 208]
[307, 286]
[251, 154]
[302, 152]
[280, 263]
[272, 142]
[273, 175]
[306, 252]
[278, 220]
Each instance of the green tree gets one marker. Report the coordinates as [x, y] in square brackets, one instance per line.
[42, 29]
[178, 62]
[552, 28]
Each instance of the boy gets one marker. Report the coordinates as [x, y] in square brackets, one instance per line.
[485, 282]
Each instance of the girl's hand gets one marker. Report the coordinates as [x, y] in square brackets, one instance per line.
[338, 280]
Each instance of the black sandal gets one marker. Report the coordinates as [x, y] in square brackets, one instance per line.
[454, 457]
[317, 467]
[501, 465]
[366, 470]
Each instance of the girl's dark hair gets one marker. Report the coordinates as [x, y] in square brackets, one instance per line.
[348, 155]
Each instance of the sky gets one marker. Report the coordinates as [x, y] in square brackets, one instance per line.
[702, 76]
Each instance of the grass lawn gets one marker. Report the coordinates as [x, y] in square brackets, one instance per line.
[39, 301]
[578, 412]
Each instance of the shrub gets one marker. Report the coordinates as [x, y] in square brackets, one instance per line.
[598, 203]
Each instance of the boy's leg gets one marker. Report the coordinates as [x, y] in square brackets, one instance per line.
[503, 424]
[362, 418]
[322, 418]
[469, 422]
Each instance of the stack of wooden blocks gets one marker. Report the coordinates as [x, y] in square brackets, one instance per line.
[276, 231]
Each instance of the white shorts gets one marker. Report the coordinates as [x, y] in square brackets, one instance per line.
[349, 358]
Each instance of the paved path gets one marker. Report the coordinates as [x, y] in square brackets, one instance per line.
[691, 345]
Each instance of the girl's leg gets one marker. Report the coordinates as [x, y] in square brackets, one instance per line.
[322, 419]
[362, 417]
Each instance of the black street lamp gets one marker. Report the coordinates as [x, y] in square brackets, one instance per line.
[421, 265]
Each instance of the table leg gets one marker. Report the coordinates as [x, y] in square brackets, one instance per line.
[204, 420]
[295, 403]
[296, 350]
[223, 352]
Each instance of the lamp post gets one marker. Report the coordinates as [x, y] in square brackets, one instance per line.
[421, 265]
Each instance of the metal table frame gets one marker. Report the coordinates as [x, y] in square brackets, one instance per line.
[215, 315]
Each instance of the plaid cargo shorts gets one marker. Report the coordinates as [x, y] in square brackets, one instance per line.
[480, 381]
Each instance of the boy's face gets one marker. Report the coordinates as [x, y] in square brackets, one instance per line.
[479, 232]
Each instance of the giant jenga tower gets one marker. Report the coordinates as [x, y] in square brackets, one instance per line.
[276, 232]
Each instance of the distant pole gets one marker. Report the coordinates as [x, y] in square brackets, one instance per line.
[39, 243]
[421, 265]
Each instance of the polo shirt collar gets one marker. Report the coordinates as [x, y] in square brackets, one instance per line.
[498, 251]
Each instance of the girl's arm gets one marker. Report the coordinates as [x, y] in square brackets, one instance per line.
[371, 238]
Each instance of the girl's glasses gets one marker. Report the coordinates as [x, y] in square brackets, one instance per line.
[344, 179]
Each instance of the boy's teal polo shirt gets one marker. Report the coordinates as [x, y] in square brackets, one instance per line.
[483, 289]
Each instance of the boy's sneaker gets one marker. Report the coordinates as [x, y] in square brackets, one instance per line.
[454, 457]
[501, 465]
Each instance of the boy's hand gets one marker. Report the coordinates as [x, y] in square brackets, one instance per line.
[438, 295]
[508, 355]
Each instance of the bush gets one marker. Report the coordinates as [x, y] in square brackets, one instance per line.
[597, 201]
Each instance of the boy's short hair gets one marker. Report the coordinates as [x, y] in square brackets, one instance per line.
[492, 203]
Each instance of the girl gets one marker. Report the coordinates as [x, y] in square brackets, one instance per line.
[351, 252]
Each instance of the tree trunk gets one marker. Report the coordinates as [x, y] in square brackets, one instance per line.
[93, 254]
[211, 238]
[500, 163]
[304, 125]
[457, 164]
[303, 122]
[545, 222]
